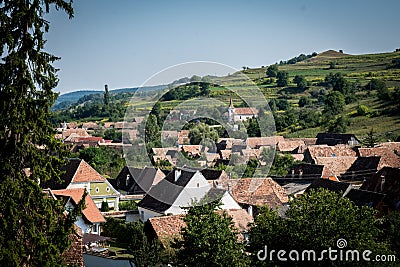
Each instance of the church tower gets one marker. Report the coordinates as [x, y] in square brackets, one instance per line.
[231, 111]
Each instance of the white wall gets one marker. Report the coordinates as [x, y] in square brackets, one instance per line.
[146, 214]
[195, 190]
[228, 202]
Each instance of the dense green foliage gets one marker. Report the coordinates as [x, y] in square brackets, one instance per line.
[209, 239]
[315, 221]
[33, 229]
[146, 253]
[107, 161]
[202, 133]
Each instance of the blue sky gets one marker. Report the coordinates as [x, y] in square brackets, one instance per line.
[123, 43]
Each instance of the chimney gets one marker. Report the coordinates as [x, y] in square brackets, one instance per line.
[382, 182]
[127, 179]
[178, 173]
[229, 187]
[250, 210]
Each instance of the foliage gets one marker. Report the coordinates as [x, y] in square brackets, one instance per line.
[104, 206]
[33, 229]
[371, 139]
[105, 160]
[390, 226]
[145, 252]
[338, 125]
[202, 133]
[362, 110]
[304, 101]
[282, 78]
[251, 167]
[252, 127]
[209, 239]
[187, 91]
[128, 205]
[281, 164]
[299, 58]
[316, 220]
[301, 82]
[334, 103]
[106, 96]
[112, 134]
[272, 71]
[380, 87]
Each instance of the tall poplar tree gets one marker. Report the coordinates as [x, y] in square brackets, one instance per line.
[33, 229]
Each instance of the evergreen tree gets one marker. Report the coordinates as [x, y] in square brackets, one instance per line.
[33, 229]
[106, 95]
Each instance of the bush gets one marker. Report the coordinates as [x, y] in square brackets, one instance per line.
[128, 205]
[104, 206]
[362, 110]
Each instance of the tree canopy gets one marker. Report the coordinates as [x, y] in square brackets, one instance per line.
[316, 221]
[209, 239]
[33, 229]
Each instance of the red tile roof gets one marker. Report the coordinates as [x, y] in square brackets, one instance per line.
[389, 153]
[254, 142]
[245, 111]
[290, 145]
[331, 151]
[85, 173]
[258, 192]
[90, 212]
[335, 166]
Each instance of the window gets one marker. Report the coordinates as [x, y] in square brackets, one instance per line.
[94, 228]
[108, 189]
[97, 189]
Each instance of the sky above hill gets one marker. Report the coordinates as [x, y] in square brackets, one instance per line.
[123, 43]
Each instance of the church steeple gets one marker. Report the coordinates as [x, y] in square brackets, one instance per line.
[231, 103]
[231, 111]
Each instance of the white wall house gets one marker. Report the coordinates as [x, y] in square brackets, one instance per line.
[180, 189]
[91, 217]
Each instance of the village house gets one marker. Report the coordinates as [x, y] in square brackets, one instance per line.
[77, 173]
[252, 193]
[137, 181]
[325, 151]
[91, 217]
[333, 139]
[389, 154]
[179, 189]
[386, 181]
[240, 114]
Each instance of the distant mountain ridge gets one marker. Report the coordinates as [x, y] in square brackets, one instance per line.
[73, 97]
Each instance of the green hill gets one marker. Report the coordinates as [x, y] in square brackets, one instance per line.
[364, 108]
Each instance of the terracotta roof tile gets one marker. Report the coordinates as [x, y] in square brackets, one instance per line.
[258, 192]
[331, 151]
[245, 111]
[255, 142]
[335, 166]
[90, 212]
[85, 173]
[389, 153]
[290, 145]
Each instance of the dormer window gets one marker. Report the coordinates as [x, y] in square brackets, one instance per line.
[127, 179]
